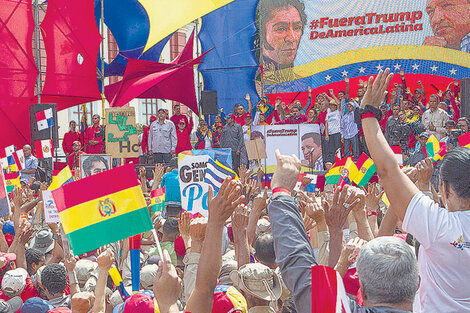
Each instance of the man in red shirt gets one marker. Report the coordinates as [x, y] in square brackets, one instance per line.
[73, 158]
[177, 116]
[69, 137]
[94, 135]
[183, 132]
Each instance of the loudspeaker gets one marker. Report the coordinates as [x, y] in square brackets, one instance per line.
[209, 102]
[465, 97]
[48, 133]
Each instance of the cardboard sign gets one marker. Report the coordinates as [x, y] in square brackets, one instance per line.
[121, 133]
[50, 210]
[256, 149]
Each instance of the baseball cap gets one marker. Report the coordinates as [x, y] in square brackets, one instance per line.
[8, 227]
[228, 299]
[153, 118]
[139, 302]
[220, 125]
[11, 306]
[36, 305]
[14, 281]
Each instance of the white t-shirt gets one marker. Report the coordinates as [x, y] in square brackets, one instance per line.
[334, 122]
[444, 254]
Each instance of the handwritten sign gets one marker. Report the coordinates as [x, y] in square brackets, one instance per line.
[121, 133]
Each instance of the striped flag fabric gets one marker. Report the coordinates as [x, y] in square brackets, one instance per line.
[63, 177]
[310, 187]
[366, 168]
[333, 176]
[4, 202]
[100, 209]
[44, 119]
[328, 293]
[157, 200]
[464, 140]
[216, 172]
[12, 180]
[432, 146]
[398, 155]
[18, 155]
[44, 149]
[348, 172]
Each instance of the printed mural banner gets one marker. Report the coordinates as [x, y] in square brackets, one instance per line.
[322, 42]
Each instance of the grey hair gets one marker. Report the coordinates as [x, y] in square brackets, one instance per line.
[388, 270]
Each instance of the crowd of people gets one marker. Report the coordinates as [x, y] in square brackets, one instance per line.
[255, 250]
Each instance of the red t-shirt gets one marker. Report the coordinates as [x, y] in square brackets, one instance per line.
[239, 119]
[69, 138]
[90, 135]
[29, 291]
[184, 142]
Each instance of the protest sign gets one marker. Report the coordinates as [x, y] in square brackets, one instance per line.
[121, 133]
[191, 172]
[303, 140]
[50, 210]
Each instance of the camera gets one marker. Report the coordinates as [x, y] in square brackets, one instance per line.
[100, 133]
[454, 137]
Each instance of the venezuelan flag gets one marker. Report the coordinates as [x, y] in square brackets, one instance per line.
[157, 201]
[366, 169]
[62, 178]
[334, 174]
[12, 180]
[464, 140]
[100, 209]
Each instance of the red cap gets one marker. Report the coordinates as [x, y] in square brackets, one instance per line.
[76, 142]
[139, 302]
[220, 125]
[153, 118]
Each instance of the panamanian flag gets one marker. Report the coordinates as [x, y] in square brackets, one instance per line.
[44, 119]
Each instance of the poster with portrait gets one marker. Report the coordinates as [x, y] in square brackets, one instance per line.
[316, 43]
[303, 140]
[91, 164]
[121, 133]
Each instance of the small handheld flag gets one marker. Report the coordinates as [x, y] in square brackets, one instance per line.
[348, 172]
[18, 155]
[366, 168]
[4, 202]
[12, 180]
[102, 208]
[333, 176]
[157, 200]
[216, 172]
[62, 178]
[117, 280]
[398, 155]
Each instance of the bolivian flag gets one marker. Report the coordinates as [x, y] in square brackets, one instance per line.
[464, 140]
[12, 180]
[366, 169]
[342, 169]
[157, 201]
[432, 146]
[62, 178]
[102, 209]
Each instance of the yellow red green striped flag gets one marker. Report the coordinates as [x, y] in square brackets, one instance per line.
[100, 209]
[12, 180]
[366, 168]
[432, 146]
[157, 200]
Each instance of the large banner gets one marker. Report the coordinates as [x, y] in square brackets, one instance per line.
[303, 140]
[121, 133]
[315, 43]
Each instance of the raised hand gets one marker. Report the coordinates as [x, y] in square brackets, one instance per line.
[166, 285]
[425, 171]
[158, 172]
[247, 97]
[184, 223]
[83, 302]
[222, 206]
[287, 171]
[197, 228]
[337, 212]
[373, 197]
[70, 262]
[105, 260]
[376, 92]
[240, 218]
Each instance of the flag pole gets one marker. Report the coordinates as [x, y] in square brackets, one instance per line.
[159, 247]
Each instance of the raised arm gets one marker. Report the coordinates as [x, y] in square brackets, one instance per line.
[395, 182]
[220, 209]
[239, 226]
[309, 102]
[294, 254]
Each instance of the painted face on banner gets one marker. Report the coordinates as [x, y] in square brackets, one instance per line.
[283, 33]
[449, 19]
